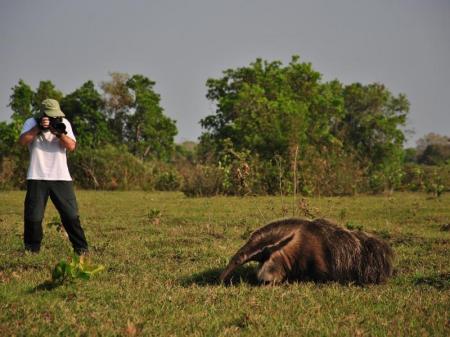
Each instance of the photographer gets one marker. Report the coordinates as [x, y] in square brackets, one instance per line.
[48, 138]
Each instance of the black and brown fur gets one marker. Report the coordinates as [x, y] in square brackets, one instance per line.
[317, 250]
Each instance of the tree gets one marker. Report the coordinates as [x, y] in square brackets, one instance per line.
[24, 103]
[21, 101]
[431, 139]
[46, 89]
[372, 121]
[118, 101]
[148, 132]
[21, 104]
[85, 109]
[10, 152]
[435, 154]
[136, 116]
[267, 108]
[372, 126]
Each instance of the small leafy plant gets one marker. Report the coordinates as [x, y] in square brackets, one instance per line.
[154, 216]
[342, 214]
[352, 226]
[436, 189]
[78, 268]
[56, 223]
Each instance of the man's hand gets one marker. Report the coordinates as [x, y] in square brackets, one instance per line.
[45, 123]
[67, 142]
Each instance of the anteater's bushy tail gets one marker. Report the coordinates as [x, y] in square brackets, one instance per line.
[375, 265]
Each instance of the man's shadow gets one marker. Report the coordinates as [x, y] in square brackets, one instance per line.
[243, 274]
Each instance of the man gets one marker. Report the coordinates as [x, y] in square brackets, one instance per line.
[48, 138]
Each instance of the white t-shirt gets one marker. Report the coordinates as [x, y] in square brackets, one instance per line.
[48, 160]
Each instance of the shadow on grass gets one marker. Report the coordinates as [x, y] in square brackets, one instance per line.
[44, 286]
[438, 281]
[243, 274]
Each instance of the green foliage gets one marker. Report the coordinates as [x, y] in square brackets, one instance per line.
[352, 226]
[154, 216]
[431, 140]
[202, 180]
[148, 132]
[118, 102]
[129, 113]
[55, 223]
[342, 132]
[115, 133]
[109, 168]
[431, 179]
[77, 268]
[276, 129]
[46, 89]
[84, 108]
[434, 184]
[266, 108]
[167, 180]
[435, 154]
[9, 133]
[372, 121]
[13, 158]
[21, 101]
[136, 117]
[12, 173]
[410, 155]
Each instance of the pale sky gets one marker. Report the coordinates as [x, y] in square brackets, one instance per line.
[404, 44]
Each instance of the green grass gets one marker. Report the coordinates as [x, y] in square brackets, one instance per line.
[162, 254]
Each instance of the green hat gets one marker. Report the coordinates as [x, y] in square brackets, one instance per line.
[50, 107]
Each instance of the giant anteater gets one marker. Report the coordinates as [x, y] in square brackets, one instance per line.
[298, 249]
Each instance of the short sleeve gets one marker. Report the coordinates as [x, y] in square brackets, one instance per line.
[69, 129]
[28, 125]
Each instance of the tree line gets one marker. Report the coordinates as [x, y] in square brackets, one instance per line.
[276, 129]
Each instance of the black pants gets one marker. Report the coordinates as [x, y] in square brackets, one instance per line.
[63, 197]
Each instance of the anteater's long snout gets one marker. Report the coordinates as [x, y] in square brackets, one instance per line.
[225, 275]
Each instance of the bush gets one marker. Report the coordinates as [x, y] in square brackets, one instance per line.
[202, 180]
[424, 178]
[13, 173]
[238, 173]
[109, 168]
[435, 154]
[166, 178]
[332, 172]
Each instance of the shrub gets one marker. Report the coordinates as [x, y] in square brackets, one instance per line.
[435, 154]
[202, 180]
[13, 171]
[431, 179]
[166, 178]
[109, 168]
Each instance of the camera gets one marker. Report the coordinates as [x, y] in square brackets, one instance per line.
[55, 122]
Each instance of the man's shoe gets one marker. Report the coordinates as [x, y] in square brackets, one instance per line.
[81, 251]
[32, 249]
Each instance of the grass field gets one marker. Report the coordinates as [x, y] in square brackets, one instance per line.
[162, 254]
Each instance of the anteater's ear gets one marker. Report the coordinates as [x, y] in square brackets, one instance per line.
[252, 251]
[280, 243]
[264, 252]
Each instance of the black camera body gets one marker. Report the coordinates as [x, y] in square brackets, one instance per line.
[55, 122]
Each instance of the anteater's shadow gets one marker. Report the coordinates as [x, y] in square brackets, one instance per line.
[243, 274]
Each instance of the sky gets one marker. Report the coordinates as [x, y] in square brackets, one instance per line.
[404, 44]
